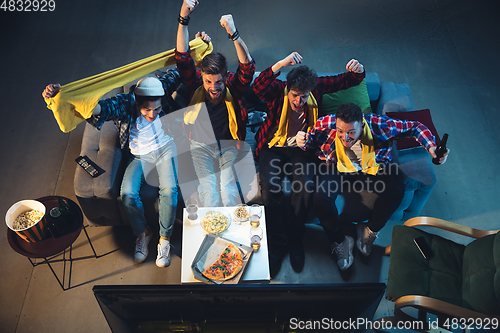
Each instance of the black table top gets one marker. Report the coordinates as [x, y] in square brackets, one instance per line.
[48, 246]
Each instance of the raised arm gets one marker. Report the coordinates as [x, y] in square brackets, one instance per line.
[227, 22]
[293, 58]
[188, 6]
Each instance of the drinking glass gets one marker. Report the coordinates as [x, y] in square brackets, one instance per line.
[254, 220]
[256, 209]
[192, 208]
[256, 237]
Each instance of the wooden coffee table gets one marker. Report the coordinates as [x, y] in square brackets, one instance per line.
[49, 246]
[193, 235]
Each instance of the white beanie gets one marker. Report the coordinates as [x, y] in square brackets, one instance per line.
[149, 86]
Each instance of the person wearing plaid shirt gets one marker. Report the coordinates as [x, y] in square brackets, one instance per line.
[356, 154]
[147, 141]
[216, 129]
[293, 105]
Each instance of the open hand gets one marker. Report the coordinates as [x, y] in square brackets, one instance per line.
[51, 90]
[354, 66]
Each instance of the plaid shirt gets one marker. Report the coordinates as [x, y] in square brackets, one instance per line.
[123, 111]
[237, 83]
[384, 130]
[268, 88]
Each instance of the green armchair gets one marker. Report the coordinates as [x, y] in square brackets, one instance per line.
[461, 281]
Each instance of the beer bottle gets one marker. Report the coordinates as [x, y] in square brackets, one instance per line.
[441, 149]
[53, 226]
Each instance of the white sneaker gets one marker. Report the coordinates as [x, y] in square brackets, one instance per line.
[163, 258]
[366, 237]
[141, 246]
[343, 253]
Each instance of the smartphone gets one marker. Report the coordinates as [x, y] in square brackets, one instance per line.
[424, 248]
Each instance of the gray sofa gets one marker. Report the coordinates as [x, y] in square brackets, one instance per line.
[100, 200]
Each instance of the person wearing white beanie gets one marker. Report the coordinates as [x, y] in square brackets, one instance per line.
[138, 116]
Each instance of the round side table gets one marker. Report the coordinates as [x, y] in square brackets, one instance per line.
[49, 246]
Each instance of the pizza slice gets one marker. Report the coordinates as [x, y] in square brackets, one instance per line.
[228, 265]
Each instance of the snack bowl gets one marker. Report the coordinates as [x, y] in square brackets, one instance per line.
[215, 222]
[33, 231]
[241, 213]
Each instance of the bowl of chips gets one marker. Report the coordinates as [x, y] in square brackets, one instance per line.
[215, 222]
[241, 214]
[27, 219]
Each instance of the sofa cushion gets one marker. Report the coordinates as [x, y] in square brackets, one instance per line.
[394, 97]
[423, 116]
[357, 95]
[481, 275]
[411, 274]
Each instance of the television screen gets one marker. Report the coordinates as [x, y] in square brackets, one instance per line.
[239, 308]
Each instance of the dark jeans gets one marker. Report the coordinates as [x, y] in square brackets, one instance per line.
[388, 184]
[285, 217]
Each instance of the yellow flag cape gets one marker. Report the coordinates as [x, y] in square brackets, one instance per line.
[76, 100]
[282, 131]
[194, 107]
[368, 163]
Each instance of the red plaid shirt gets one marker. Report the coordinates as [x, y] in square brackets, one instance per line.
[384, 130]
[237, 84]
[272, 91]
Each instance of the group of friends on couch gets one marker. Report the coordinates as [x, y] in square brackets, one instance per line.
[319, 155]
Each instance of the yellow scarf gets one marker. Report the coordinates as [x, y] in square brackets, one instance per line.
[282, 131]
[368, 163]
[76, 100]
[194, 107]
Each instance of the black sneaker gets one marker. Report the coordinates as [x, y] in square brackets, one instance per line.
[297, 256]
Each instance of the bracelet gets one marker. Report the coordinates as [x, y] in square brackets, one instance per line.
[234, 36]
[183, 20]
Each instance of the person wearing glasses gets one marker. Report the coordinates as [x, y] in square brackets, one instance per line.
[357, 151]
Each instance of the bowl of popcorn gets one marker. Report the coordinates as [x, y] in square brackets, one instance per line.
[27, 219]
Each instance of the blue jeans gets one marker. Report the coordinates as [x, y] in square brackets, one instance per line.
[138, 169]
[208, 161]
